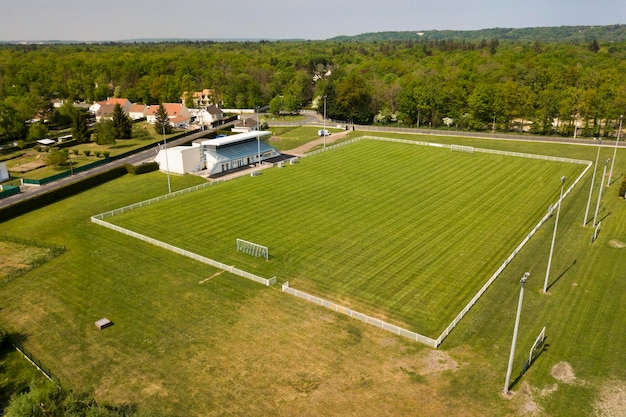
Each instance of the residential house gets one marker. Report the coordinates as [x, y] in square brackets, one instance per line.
[244, 125]
[179, 115]
[137, 111]
[104, 109]
[207, 116]
[200, 99]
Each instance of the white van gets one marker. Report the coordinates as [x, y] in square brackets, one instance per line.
[323, 132]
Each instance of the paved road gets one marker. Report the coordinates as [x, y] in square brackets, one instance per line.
[147, 155]
[311, 119]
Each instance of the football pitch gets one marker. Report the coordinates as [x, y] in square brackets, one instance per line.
[403, 233]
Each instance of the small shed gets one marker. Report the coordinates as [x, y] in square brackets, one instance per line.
[46, 142]
[103, 323]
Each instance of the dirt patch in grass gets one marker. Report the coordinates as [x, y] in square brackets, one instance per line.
[437, 361]
[528, 406]
[30, 166]
[563, 372]
[211, 277]
[614, 243]
[16, 257]
[612, 400]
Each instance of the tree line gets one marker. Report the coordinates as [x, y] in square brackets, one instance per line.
[553, 87]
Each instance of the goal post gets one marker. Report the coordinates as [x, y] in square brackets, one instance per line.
[535, 349]
[253, 249]
[461, 148]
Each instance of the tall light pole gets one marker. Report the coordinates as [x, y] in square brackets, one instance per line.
[556, 224]
[595, 217]
[258, 138]
[167, 163]
[418, 117]
[493, 128]
[619, 133]
[595, 168]
[324, 131]
[517, 317]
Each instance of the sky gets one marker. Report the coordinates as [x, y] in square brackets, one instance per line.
[114, 20]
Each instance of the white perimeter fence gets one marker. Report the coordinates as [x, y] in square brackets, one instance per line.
[99, 219]
[229, 268]
[412, 335]
[360, 316]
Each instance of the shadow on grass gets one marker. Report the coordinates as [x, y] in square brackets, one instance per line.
[528, 365]
[605, 216]
[561, 276]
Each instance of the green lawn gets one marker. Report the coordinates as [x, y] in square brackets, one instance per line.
[189, 340]
[286, 138]
[410, 240]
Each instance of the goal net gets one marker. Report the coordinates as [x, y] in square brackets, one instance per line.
[253, 249]
[461, 148]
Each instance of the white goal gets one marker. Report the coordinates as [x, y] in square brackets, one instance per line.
[253, 249]
[461, 148]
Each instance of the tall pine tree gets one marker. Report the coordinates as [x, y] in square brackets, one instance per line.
[162, 122]
[122, 123]
[80, 130]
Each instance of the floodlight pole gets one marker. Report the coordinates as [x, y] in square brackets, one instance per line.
[517, 317]
[324, 131]
[595, 217]
[595, 168]
[556, 224]
[258, 138]
[167, 163]
[619, 133]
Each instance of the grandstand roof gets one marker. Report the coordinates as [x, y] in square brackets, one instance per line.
[229, 140]
[240, 151]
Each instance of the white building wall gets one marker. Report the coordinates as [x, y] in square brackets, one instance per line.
[179, 159]
[4, 172]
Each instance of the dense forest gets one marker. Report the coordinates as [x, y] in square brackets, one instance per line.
[547, 87]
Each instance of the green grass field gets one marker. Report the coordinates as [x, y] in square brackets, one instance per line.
[190, 340]
[400, 232]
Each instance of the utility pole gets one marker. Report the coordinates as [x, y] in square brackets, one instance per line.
[556, 223]
[595, 217]
[619, 133]
[517, 317]
[595, 168]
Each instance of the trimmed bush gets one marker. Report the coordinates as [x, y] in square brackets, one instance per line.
[622, 189]
[142, 168]
[106, 154]
[87, 152]
[97, 153]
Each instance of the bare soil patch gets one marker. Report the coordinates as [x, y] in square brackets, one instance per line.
[614, 243]
[30, 166]
[301, 150]
[437, 361]
[15, 257]
[612, 400]
[563, 372]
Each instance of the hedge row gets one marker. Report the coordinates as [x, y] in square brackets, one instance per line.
[142, 168]
[57, 194]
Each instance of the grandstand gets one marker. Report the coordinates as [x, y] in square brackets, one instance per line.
[236, 151]
[217, 155]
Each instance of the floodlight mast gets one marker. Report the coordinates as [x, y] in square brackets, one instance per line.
[167, 164]
[595, 217]
[619, 133]
[324, 131]
[556, 224]
[517, 317]
[258, 139]
[595, 169]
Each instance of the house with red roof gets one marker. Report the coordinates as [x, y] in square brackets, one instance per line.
[178, 113]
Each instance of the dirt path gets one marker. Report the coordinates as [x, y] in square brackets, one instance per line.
[301, 150]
